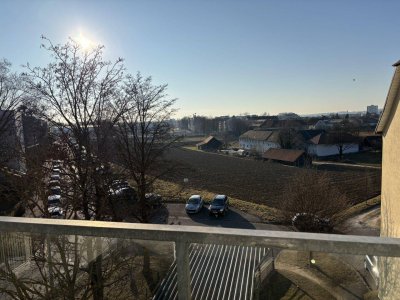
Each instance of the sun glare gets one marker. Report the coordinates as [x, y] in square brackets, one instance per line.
[84, 42]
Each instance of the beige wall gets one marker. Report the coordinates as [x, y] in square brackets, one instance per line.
[390, 225]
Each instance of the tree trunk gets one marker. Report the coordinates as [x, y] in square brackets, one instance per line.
[341, 152]
[95, 269]
[146, 268]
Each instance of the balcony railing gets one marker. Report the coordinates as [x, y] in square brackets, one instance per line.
[186, 259]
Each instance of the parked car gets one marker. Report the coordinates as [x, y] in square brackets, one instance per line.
[56, 212]
[54, 183]
[371, 265]
[55, 177]
[54, 200]
[57, 162]
[55, 190]
[124, 193]
[219, 205]
[119, 183]
[154, 200]
[194, 204]
[56, 171]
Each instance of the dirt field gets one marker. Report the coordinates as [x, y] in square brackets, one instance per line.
[263, 182]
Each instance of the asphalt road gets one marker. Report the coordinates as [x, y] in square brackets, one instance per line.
[234, 218]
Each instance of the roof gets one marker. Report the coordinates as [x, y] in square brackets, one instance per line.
[367, 134]
[274, 123]
[274, 137]
[232, 270]
[392, 100]
[288, 155]
[309, 134]
[332, 138]
[261, 135]
[208, 140]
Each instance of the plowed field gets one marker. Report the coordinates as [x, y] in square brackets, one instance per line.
[264, 182]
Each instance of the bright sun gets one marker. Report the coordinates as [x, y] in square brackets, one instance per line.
[84, 42]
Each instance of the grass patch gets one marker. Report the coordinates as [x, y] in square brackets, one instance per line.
[329, 278]
[367, 158]
[279, 287]
[176, 193]
[370, 158]
[193, 148]
[357, 209]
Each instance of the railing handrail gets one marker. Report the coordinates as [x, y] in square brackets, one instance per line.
[332, 243]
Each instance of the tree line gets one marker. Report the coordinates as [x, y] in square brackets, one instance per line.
[106, 123]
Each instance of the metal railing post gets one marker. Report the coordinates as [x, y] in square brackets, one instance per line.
[27, 248]
[183, 270]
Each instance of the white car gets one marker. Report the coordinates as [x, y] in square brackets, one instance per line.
[54, 200]
[55, 177]
[56, 212]
[194, 204]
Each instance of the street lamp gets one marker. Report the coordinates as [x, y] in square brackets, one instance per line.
[312, 261]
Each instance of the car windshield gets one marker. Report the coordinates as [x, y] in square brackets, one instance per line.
[193, 201]
[218, 201]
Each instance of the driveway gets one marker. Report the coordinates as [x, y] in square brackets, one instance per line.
[234, 218]
[366, 223]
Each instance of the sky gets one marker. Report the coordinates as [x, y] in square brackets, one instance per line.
[227, 57]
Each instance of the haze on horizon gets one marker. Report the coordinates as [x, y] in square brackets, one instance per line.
[228, 57]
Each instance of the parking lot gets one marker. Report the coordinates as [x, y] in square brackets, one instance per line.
[233, 219]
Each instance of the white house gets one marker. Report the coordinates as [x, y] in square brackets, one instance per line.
[259, 140]
[326, 124]
[326, 144]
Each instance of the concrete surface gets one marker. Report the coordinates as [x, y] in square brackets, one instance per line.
[366, 223]
[234, 218]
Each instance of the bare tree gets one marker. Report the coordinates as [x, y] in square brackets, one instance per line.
[311, 202]
[61, 269]
[287, 138]
[80, 96]
[144, 136]
[11, 96]
[78, 93]
[345, 135]
[238, 126]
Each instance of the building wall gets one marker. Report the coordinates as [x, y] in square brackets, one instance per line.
[34, 131]
[259, 146]
[12, 145]
[322, 125]
[327, 150]
[390, 207]
[372, 109]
